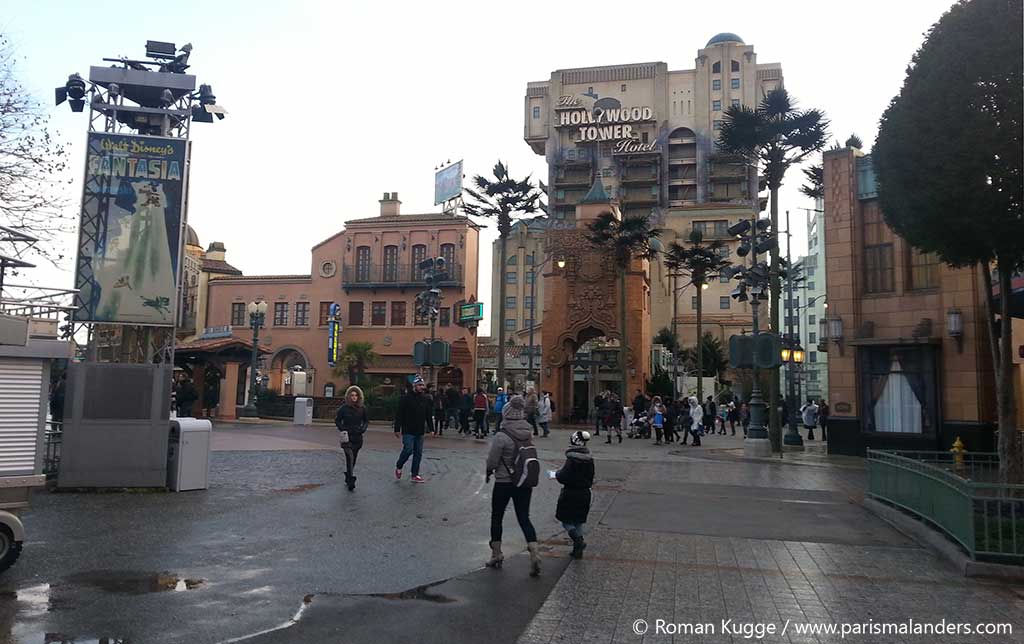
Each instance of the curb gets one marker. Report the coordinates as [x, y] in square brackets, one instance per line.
[936, 541]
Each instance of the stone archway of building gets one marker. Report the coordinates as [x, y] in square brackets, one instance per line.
[286, 360]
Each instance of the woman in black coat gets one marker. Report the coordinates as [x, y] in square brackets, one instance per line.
[351, 420]
[576, 477]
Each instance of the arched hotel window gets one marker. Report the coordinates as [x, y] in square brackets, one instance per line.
[735, 65]
[448, 252]
[391, 263]
[716, 68]
[513, 260]
[419, 253]
[363, 264]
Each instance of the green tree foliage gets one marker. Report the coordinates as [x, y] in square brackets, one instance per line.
[815, 186]
[660, 384]
[665, 338]
[715, 361]
[948, 159]
[503, 199]
[355, 359]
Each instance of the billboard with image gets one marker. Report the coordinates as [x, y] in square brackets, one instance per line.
[448, 183]
[130, 229]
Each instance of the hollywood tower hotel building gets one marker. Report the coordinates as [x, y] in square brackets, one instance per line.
[649, 133]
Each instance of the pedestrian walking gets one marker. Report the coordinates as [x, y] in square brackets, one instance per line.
[658, 419]
[351, 421]
[544, 409]
[499, 404]
[185, 397]
[823, 413]
[465, 410]
[708, 417]
[598, 402]
[532, 403]
[480, 405]
[508, 461]
[411, 421]
[451, 407]
[57, 398]
[745, 418]
[732, 414]
[810, 416]
[576, 477]
[697, 416]
[613, 414]
[670, 421]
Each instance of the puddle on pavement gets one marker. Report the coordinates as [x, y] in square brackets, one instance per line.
[134, 583]
[420, 592]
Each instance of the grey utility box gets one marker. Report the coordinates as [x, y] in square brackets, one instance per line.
[303, 411]
[188, 454]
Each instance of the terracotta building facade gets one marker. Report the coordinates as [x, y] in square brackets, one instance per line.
[371, 270]
[908, 360]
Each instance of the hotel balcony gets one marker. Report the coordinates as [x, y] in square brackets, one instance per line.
[726, 178]
[393, 276]
[572, 179]
[682, 140]
[682, 181]
[639, 177]
[639, 197]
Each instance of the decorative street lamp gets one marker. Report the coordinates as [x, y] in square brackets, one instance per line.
[257, 316]
[793, 356]
[560, 262]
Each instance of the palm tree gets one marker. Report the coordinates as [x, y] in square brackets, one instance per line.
[815, 186]
[713, 357]
[355, 359]
[624, 240]
[700, 263]
[502, 199]
[776, 135]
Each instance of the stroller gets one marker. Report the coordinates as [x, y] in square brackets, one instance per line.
[640, 427]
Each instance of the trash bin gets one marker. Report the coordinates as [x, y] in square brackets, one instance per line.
[303, 411]
[188, 454]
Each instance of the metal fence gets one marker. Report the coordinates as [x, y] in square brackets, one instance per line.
[51, 453]
[963, 499]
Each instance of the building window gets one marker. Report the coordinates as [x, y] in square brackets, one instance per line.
[391, 263]
[529, 259]
[398, 314]
[724, 302]
[325, 313]
[418, 318]
[378, 313]
[810, 285]
[363, 264]
[716, 68]
[813, 356]
[511, 277]
[444, 316]
[528, 303]
[622, 88]
[510, 325]
[693, 302]
[709, 229]
[528, 276]
[355, 314]
[716, 105]
[812, 338]
[536, 112]
[735, 83]
[924, 269]
[510, 302]
[419, 253]
[238, 314]
[878, 268]
[735, 102]
[302, 314]
[448, 252]
[812, 375]
[717, 125]
[723, 252]
[735, 65]
[512, 261]
[810, 272]
[590, 90]
[723, 278]
[280, 314]
[528, 323]
[716, 84]
[812, 319]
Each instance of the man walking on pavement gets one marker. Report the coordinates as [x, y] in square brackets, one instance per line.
[499, 404]
[411, 420]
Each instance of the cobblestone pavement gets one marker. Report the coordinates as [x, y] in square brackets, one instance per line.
[862, 572]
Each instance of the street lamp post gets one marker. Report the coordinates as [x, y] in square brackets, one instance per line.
[257, 316]
[533, 309]
[792, 440]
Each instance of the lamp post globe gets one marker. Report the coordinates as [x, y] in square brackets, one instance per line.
[257, 315]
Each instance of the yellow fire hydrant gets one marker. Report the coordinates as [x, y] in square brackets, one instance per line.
[958, 451]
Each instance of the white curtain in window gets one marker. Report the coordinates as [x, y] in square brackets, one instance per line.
[898, 409]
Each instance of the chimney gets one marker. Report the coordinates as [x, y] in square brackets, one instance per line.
[389, 205]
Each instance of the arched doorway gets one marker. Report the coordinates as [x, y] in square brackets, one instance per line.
[289, 372]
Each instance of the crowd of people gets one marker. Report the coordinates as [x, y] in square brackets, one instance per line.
[512, 456]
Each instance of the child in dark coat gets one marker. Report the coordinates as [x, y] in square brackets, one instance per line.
[576, 477]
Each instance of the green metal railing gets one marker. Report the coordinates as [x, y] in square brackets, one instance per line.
[963, 499]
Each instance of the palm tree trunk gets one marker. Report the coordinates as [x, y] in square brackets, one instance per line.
[502, 289]
[774, 424]
[1011, 467]
[700, 342]
[622, 328]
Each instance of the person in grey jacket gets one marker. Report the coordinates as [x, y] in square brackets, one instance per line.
[501, 464]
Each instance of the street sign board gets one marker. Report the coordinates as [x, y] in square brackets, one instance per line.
[470, 312]
[333, 334]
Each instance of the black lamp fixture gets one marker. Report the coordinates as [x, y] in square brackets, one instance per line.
[73, 92]
[955, 327]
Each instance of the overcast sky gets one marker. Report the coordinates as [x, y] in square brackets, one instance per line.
[333, 103]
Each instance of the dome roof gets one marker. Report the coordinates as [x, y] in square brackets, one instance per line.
[191, 238]
[725, 36]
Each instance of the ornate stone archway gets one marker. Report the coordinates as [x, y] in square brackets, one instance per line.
[581, 302]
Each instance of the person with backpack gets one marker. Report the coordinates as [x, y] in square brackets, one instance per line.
[576, 477]
[809, 412]
[512, 461]
[544, 409]
[351, 421]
